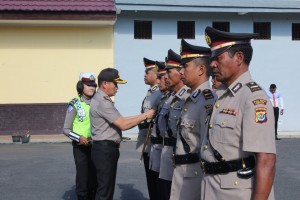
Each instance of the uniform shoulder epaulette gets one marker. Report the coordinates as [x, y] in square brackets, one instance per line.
[253, 86]
[108, 98]
[73, 101]
[207, 94]
[196, 93]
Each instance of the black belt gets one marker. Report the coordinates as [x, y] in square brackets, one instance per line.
[227, 166]
[169, 142]
[144, 125]
[156, 140]
[186, 159]
[107, 143]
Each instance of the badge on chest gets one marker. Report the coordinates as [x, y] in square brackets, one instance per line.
[81, 112]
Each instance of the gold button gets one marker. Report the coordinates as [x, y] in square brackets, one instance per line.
[210, 125]
[235, 183]
[185, 110]
[217, 105]
[223, 123]
[205, 147]
[196, 173]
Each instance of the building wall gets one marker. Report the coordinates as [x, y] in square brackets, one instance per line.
[274, 61]
[40, 66]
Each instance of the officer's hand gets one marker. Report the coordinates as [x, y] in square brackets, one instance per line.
[150, 114]
[83, 140]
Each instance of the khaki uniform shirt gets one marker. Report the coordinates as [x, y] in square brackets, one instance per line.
[150, 101]
[155, 149]
[175, 108]
[102, 115]
[241, 124]
[186, 182]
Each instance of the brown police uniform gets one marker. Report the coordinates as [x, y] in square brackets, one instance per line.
[186, 183]
[242, 124]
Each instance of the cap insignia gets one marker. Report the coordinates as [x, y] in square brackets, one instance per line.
[208, 40]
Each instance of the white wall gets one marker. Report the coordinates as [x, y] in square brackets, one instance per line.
[274, 61]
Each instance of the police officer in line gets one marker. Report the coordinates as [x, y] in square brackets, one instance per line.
[106, 126]
[156, 135]
[77, 128]
[175, 104]
[195, 74]
[150, 102]
[239, 151]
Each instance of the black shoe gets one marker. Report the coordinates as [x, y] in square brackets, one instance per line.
[277, 138]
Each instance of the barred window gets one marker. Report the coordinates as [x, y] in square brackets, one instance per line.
[186, 30]
[295, 31]
[264, 30]
[142, 29]
[222, 26]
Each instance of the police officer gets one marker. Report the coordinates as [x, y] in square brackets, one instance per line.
[150, 101]
[106, 126]
[239, 151]
[156, 136]
[195, 73]
[180, 93]
[77, 128]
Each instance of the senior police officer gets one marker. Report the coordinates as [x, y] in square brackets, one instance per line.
[195, 72]
[150, 101]
[106, 126]
[239, 152]
[77, 128]
[156, 135]
[180, 93]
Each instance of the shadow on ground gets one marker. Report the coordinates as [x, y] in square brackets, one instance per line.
[130, 193]
[70, 194]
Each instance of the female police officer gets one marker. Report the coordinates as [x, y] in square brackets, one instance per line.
[77, 128]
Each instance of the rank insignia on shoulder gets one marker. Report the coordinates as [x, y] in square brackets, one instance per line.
[107, 98]
[207, 94]
[181, 92]
[229, 111]
[261, 115]
[73, 101]
[236, 87]
[253, 86]
[259, 101]
[196, 93]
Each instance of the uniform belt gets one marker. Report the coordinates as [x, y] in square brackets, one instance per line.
[169, 142]
[186, 159]
[144, 125]
[107, 143]
[227, 166]
[156, 140]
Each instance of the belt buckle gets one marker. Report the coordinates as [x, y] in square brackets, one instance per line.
[203, 166]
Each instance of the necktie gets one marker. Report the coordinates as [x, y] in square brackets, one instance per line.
[274, 101]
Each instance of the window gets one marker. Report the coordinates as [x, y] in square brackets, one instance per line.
[264, 30]
[186, 30]
[142, 29]
[295, 31]
[222, 26]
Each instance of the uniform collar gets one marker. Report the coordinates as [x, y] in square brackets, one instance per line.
[195, 95]
[182, 91]
[154, 88]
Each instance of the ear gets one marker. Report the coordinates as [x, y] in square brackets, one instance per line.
[239, 58]
[201, 70]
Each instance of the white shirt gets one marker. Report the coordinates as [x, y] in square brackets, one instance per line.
[277, 98]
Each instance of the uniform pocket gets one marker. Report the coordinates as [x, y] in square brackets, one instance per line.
[231, 180]
[192, 170]
[225, 129]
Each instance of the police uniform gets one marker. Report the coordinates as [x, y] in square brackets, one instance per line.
[151, 100]
[241, 124]
[106, 137]
[77, 123]
[186, 183]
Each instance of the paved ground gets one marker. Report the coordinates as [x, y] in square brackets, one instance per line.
[45, 171]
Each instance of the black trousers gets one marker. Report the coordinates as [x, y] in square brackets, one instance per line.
[86, 182]
[276, 115]
[105, 158]
[165, 189]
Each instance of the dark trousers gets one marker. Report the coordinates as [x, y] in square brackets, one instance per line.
[165, 189]
[105, 158]
[86, 182]
[276, 115]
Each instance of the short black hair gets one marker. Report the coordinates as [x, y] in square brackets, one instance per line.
[273, 86]
[245, 48]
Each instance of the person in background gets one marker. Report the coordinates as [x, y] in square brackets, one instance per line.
[276, 100]
[107, 125]
[77, 128]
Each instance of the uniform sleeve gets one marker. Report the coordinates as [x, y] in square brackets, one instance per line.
[70, 116]
[258, 125]
[107, 110]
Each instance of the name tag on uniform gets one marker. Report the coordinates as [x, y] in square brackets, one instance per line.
[81, 112]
